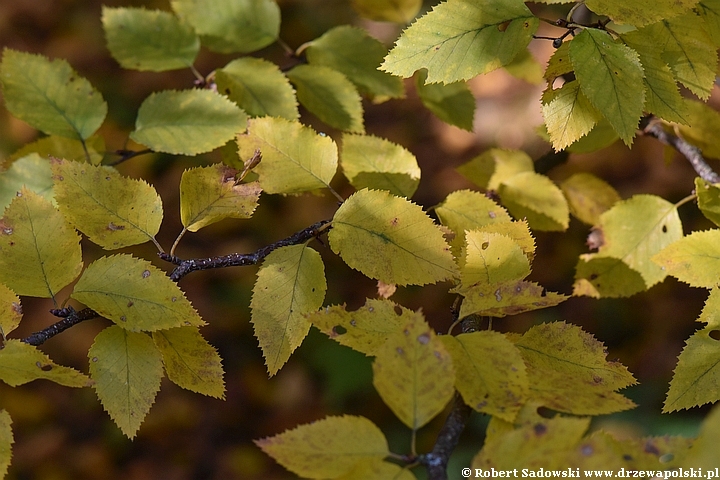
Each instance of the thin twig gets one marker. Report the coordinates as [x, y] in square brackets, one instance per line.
[436, 461]
[72, 319]
[127, 155]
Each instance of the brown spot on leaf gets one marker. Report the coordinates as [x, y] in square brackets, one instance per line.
[43, 367]
[123, 318]
[130, 303]
[400, 351]
[114, 228]
[539, 429]
[424, 338]
[587, 450]
[146, 274]
[17, 308]
[503, 26]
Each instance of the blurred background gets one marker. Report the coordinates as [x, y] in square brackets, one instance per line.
[63, 433]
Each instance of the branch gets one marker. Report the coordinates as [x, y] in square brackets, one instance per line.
[71, 318]
[242, 259]
[436, 461]
[693, 154]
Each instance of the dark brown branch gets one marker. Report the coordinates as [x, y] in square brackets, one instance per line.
[653, 128]
[127, 155]
[71, 318]
[241, 259]
[436, 461]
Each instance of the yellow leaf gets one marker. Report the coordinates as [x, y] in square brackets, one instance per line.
[378, 470]
[10, 310]
[6, 441]
[112, 210]
[606, 277]
[190, 361]
[535, 197]
[210, 194]
[327, 448]
[398, 11]
[290, 283]
[694, 259]
[518, 231]
[491, 259]
[39, 252]
[588, 196]
[127, 369]
[490, 372]
[703, 452]
[491, 168]
[509, 298]
[389, 238]
[134, 294]
[21, 363]
[414, 374]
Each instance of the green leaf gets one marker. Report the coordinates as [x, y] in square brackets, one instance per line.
[509, 298]
[187, 122]
[703, 127]
[601, 136]
[640, 12]
[190, 361]
[569, 115]
[371, 162]
[703, 452]
[39, 252]
[67, 148]
[611, 77]
[21, 363]
[134, 294]
[535, 197]
[491, 259]
[588, 196]
[142, 39]
[6, 441]
[31, 172]
[290, 283]
[414, 374]
[295, 158]
[398, 11]
[112, 210]
[357, 55]
[10, 311]
[694, 259]
[709, 11]
[390, 239]
[210, 194]
[490, 373]
[697, 373]
[379, 470]
[127, 369]
[329, 95]
[526, 67]
[491, 168]
[327, 448]
[50, 95]
[460, 39]
[452, 103]
[688, 50]
[632, 232]
[708, 196]
[229, 26]
[365, 329]
[568, 372]
[258, 87]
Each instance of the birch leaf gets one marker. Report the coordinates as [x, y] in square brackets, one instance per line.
[21, 363]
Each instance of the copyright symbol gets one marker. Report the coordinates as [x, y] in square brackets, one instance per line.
[466, 472]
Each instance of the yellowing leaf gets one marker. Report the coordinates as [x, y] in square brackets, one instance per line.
[354, 53]
[378, 470]
[526, 67]
[509, 298]
[519, 232]
[329, 95]
[295, 159]
[371, 162]
[611, 77]
[31, 172]
[491, 259]
[290, 283]
[152, 40]
[709, 10]
[389, 238]
[365, 329]
[187, 122]
[606, 277]
[453, 103]
[703, 452]
[6, 441]
[640, 12]
[10, 310]
[703, 127]
[39, 252]
[708, 198]
[398, 11]
[633, 231]
[694, 259]
[327, 448]
[134, 294]
[21, 363]
[568, 372]
[229, 26]
[588, 196]
[491, 168]
[112, 210]
[569, 115]
[210, 194]
[190, 361]
[535, 197]
[258, 87]
[127, 369]
[460, 39]
[90, 150]
[414, 374]
[490, 373]
[50, 95]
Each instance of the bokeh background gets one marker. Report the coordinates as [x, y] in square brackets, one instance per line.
[63, 433]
